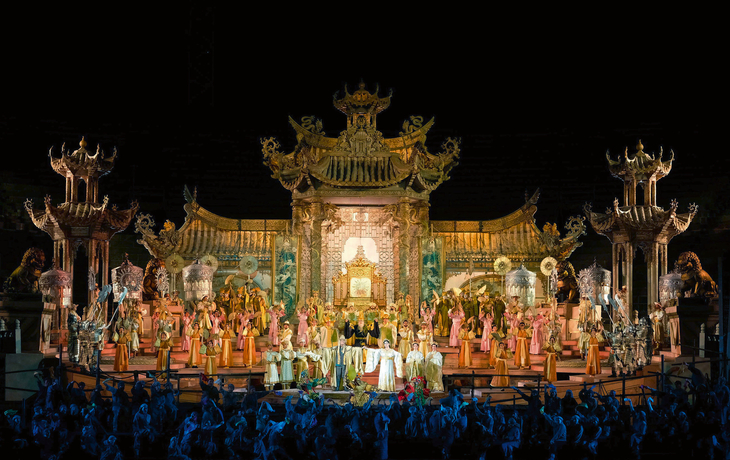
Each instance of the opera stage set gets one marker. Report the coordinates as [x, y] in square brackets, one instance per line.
[360, 244]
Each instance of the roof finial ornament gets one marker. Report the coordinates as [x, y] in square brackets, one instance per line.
[639, 147]
[82, 142]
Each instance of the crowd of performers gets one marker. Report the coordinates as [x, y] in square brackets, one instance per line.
[687, 420]
[339, 344]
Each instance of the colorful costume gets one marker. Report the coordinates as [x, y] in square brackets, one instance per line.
[522, 351]
[434, 368]
[593, 360]
[501, 368]
[391, 366]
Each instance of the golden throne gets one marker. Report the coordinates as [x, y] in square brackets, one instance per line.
[361, 284]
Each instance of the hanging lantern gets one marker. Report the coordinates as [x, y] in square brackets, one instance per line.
[56, 286]
[128, 276]
[198, 281]
[521, 282]
[595, 282]
[670, 286]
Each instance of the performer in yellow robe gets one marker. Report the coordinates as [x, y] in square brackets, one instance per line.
[121, 357]
[496, 337]
[425, 337]
[466, 334]
[211, 352]
[163, 344]
[226, 358]
[303, 357]
[502, 379]
[593, 360]
[323, 364]
[249, 346]
[194, 359]
[406, 338]
[550, 371]
[522, 350]
[414, 363]
[434, 369]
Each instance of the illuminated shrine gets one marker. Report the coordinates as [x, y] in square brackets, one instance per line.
[361, 200]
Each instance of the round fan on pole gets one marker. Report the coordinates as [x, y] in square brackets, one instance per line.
[248, 265]
[547, 265]
[502, 265]
[174, 264]
[210, 261]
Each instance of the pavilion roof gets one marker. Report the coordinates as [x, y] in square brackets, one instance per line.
[360, 157]
[653, 222]
[640, 166]
[81, 162]
[100, 219]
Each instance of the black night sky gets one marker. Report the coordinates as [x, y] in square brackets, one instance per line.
[536, 105]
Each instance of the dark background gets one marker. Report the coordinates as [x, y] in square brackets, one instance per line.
[186, 93]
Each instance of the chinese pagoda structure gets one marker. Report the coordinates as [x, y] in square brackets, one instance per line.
[636, 225]
[82, 220]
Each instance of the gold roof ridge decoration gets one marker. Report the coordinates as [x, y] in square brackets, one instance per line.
[205, 232]
[361, 158]
[515, 235]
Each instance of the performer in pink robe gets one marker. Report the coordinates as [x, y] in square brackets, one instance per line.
[427, 316]
[215, 321]
[187, 321]
[303, 328]
[275, 313]
[487, 321]
[457, 316]
[514, 323]
[538, 335]
[245, 319]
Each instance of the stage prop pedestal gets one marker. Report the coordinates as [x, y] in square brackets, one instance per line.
[35, 319]
[685, 323]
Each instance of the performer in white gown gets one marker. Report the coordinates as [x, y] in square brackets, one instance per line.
[391, 365]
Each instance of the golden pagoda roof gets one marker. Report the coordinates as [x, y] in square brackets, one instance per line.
[205, 232]
[515, 236]
[360, 157]
[81, 162]
[640, 166]
[625, 222]
[100, 219]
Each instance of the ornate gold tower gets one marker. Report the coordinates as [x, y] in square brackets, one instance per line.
[640, 226]
[82, 221]
[360, 186]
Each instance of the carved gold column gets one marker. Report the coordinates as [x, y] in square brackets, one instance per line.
[299, 223]
[317, 217]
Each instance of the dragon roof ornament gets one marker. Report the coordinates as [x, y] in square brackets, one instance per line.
[361, 157]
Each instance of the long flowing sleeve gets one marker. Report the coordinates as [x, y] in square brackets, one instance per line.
[398, 362]
[373, 360]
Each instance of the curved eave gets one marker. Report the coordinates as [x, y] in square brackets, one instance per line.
[601, 223]
[319, 141]
[98, 219]
[91, 166]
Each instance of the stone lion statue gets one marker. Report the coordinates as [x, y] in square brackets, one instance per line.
[24, 279]
[567, 282]
[149, 289]
[694, 279]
